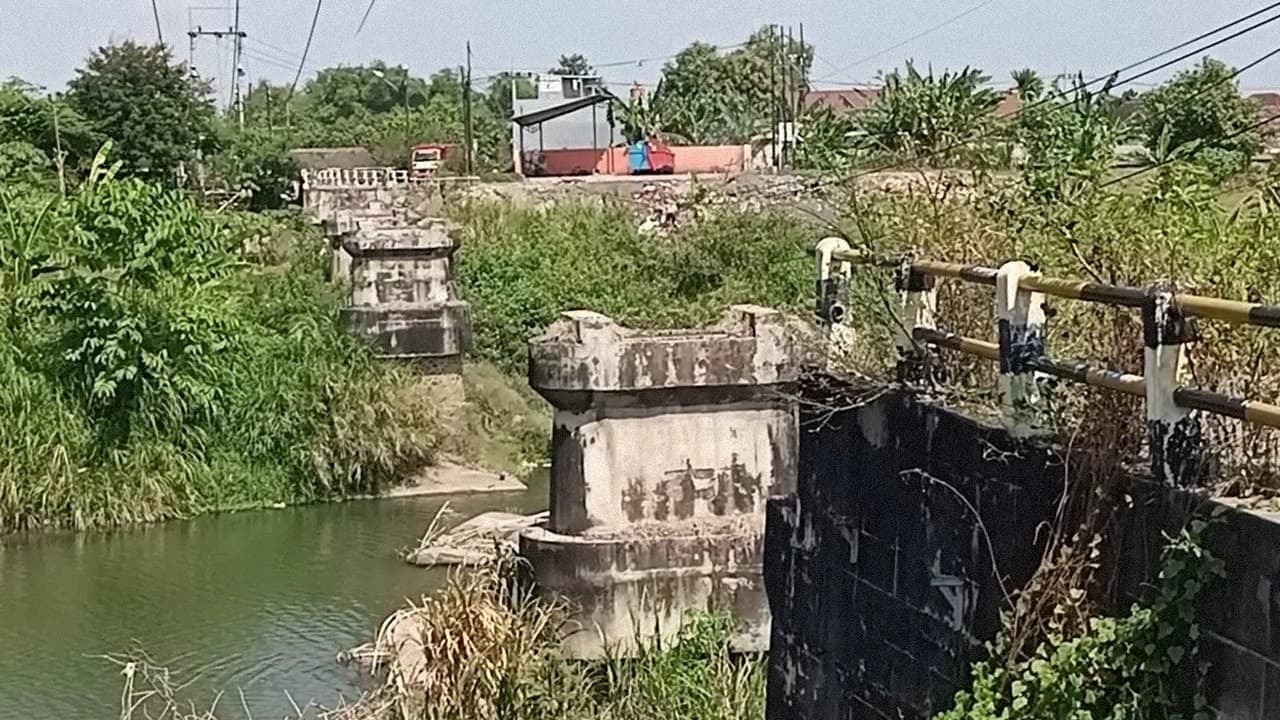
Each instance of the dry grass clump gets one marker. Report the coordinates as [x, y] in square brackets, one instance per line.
[1175, 228]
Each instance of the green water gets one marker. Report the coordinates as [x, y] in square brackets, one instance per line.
[257, 602]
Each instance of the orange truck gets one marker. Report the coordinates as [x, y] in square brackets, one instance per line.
[427, 158]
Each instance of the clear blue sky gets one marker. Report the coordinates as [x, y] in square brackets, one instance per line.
[45, 40]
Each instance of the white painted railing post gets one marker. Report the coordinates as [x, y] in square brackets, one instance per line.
[1174, 431]
[1020, 322]
[917, 307]
[832, 306]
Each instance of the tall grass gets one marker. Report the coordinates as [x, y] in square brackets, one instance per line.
[1173, 227]
[157, 361]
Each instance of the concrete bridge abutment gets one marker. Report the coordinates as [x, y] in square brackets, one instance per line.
[666, 447]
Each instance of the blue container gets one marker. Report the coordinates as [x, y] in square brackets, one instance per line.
[638, 155]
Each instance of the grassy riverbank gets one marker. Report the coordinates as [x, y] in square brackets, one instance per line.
[158, 360]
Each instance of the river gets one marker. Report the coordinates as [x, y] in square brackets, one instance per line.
[259, 602]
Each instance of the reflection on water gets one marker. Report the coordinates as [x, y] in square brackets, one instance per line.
[260, 602]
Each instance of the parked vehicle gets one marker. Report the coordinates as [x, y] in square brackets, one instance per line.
[428, 158]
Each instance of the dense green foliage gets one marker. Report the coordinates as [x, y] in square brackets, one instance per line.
[930, 116]
[1069, 138]
[707, 97]
[40, 137]
[1143, 666]
[147, 372]
[521, 267]
[156, 112]
[1200, 115]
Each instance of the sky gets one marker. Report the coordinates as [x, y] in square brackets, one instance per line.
[45, 40]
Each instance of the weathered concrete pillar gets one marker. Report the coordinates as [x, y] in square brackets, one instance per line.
[917, 307]
[1020, 324]
[1177, 454]
[403, 297]
[665, 447]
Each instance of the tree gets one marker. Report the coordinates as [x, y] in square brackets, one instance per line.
[345, 92]
[574, 64]
[256, 160]
[157, 113]
[1200, 115]
[49, 124]
[1028, 84]
[1069, 138]
[932, 115]
[269, 105]
[706, 96]
[498, 96]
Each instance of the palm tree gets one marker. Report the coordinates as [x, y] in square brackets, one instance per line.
[1028, 84]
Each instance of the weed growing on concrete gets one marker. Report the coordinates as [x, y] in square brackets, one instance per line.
[484, 647]
[1143, 665]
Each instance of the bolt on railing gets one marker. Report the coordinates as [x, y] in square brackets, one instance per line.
[1021, 350]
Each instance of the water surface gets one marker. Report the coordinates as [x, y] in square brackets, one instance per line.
[260, 602]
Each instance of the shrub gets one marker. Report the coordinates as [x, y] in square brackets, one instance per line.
[146, 373]
[521, 267]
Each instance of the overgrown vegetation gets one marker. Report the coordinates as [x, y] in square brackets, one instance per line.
[523, 266]
[1144, 665]
[153, 367]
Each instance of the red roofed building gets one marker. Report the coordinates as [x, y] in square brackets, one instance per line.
[843, 101]
[851, 100]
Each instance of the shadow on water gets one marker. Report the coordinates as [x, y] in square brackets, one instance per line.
[260, 602]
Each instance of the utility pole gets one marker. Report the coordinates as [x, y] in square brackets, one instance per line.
[466, 115]
[773, 101]
[236, 100]
[232, 32]
[517, 132]
[802, 91]
[784, 61]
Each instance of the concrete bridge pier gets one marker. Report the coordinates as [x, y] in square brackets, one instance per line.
[404, 301]
[665, 449]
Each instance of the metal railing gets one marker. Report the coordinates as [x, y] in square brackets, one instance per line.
[1020, 351]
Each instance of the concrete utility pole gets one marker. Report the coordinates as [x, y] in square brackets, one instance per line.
[237, 101]
[773, 101]
[468, 131]
[233, 32]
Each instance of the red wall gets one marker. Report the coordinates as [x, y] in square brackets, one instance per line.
[614, 161]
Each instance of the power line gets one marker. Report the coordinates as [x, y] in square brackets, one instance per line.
[1112, 83]
[929, 31]
[281, 51]
[365, 18]
[306, 50]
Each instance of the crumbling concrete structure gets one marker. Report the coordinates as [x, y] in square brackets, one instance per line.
[403, 297]
[665, 448]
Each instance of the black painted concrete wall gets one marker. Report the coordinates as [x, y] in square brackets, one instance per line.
[880, 576]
